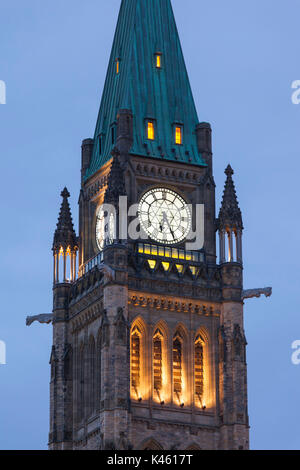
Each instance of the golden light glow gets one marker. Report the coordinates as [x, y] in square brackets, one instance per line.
[158, 61]
[150, 130]
[179, 268]
[178, 135]
[117, 66]
[193, 270]
[199, 379]
[135, 361]
[147, 250]
[152, 263]
[167, 252]
[166, 266]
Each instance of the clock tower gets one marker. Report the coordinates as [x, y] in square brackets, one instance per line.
[149, 350]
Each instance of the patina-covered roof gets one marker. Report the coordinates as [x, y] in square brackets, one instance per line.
[146, 28]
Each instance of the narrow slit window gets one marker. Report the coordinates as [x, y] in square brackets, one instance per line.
[135, 362]
[177, 367]
[117, 66]
[199, 370]
[150, 130]
[157, 363]
[178, 135]
[158, 61]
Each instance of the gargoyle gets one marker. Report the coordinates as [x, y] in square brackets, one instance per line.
[43, 318]
[250, 293]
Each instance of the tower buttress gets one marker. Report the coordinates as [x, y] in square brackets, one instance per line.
[61, 385]
[204, 143]
[86, 155]
[232, 341]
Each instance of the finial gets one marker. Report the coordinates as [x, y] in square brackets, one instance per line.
[65, 193]
[230, 214]
[229, 171]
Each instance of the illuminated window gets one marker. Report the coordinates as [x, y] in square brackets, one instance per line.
[157, 362]
[177, 367]
[179, 268]
[178, 135]
[150, 130]
[158, 60]
[193, 270]
[199, 369]
[135, 361]
[151, 263]
[117, 66]
[166, 266]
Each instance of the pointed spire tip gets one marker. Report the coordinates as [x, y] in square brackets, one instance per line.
[229, 171]
[65, 193]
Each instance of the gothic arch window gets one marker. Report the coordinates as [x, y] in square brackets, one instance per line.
[135, 362]
[199, 370]
[193, 447]
[151, 444]
[139, 373]
[177, 360]
[204, 380]
[158, 365]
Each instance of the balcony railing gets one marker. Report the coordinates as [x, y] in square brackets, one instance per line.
[91, 263]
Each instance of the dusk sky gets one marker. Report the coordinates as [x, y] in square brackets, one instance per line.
[242, 57]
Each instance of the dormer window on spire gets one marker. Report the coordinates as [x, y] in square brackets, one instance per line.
[117, 66]
[178, 135]
[158, 60]
[150, 130]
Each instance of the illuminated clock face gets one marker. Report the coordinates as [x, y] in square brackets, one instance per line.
[105, 228]
[164, 216]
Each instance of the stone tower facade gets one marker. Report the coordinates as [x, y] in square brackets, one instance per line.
[149, 350]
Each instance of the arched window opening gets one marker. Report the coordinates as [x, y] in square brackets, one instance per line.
[136, 361]
[157, 364]
[64, 265]
[177, 368]
[199, 371]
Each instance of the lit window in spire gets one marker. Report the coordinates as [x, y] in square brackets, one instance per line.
[150, 130]
[178, 135]
[158, 60]
[117, 66]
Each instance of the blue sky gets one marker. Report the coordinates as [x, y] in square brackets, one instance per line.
[242, 58]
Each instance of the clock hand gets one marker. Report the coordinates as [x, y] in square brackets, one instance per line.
[165, 217]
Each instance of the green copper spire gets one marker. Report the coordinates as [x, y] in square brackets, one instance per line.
[147, 29]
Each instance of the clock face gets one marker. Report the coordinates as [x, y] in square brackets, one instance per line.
[164, 216]
[105, 228]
